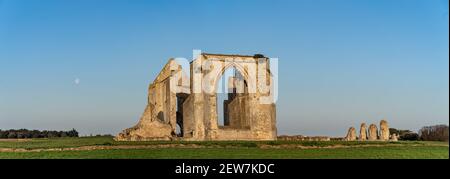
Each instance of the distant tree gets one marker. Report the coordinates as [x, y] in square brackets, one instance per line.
[44, 134]
[35, 134]
[72, 133]
[434, 133]
[12, 135]
[3, 134]
[25, 133]
[393, 131]
[53, 134]
[63, 134]
[20, 135]
[410, 136]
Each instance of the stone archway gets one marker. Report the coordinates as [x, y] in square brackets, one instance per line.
[231, 100]
[195, 109]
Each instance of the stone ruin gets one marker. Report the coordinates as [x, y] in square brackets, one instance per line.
[185, 107]
[303, 138]
[363, 132]
[384, 130]
[351, 134]
[372, 134]
[394, 137]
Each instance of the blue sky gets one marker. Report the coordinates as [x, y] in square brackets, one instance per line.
[341, 62]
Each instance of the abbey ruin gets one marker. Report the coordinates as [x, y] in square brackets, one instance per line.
[183, 101]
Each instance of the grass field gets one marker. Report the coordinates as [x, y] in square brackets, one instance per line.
[106, 148]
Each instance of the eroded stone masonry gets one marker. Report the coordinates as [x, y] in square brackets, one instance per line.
[191, 113]
[372, 133]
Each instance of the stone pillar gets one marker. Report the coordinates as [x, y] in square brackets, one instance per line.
[351, 134]
[373, 132]
[363, 132]
[384, 130]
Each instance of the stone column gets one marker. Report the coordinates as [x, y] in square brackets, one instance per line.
[373, 132]
[384, 130]
[351, 134]
[363, 132]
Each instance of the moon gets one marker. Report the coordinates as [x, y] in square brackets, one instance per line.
[76, 81]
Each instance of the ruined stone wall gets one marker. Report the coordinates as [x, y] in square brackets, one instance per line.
[188, 118]
[234, 134]
[238, 113]
[303, 138]
[158, 122]
[261, 118]
[249, 119]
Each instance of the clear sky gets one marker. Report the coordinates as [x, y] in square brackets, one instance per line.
[86, 64]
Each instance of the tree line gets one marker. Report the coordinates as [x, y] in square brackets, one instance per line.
[427, 133]
[25, 134]
[434, 133]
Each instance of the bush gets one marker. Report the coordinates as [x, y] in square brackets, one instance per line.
[12, 135]
[4, 134]
[410, 136]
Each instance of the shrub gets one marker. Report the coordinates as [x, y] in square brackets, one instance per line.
[410, 136]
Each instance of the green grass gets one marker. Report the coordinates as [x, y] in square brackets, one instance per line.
[243, 153]
[226, 149]
[108, 141]
[56, 142]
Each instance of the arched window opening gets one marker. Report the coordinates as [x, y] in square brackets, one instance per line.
[231, 99]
